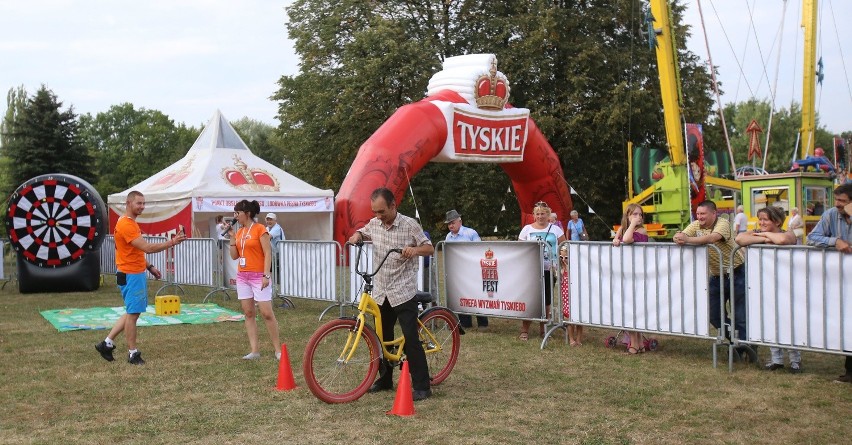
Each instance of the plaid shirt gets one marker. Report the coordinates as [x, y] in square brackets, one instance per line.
[726, 244]
[397, 279]
[831, 227]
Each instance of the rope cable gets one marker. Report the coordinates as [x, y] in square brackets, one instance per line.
[731, 47]
[716, 89]
[840, 48]
[774, 90]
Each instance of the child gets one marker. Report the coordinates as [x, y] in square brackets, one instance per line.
[632, 230]
[575, 332]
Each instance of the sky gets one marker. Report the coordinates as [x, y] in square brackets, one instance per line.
[188, 58]
[185, 58]
[739, 38]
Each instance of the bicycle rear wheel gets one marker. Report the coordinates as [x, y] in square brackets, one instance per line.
[442, 349]
[330, 378]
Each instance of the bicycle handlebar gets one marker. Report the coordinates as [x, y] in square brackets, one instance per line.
[364, 273]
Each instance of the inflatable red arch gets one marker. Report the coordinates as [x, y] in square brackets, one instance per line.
[412, 137]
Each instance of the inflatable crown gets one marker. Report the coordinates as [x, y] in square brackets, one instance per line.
[492, 90]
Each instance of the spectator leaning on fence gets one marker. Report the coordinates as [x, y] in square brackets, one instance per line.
[769, 221]
[632, 230]
[834, 229]
[709, 229]
[552, 235]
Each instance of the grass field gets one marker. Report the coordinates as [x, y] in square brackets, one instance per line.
[55, 388]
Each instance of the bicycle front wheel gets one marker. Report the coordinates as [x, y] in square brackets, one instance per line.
[442, 346]
[329, 374]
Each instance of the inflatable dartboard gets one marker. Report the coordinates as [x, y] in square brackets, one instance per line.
[56, 224]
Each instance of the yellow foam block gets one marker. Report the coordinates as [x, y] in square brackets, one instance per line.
[167, 305]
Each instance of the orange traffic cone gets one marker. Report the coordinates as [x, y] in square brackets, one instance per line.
[403, 405]
[286, 381]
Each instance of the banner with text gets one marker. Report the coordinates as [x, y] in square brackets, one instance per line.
[495, 278]
[268, 204]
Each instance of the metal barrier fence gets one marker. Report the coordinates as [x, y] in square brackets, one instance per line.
[2, 260]
[650, 287]
[426, 273]
[196, 262]
[108, 256]
[798, 298]
[308, 269]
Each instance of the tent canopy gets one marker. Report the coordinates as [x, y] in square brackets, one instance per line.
[218, 171]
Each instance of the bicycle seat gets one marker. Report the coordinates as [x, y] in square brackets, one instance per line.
[423, 297]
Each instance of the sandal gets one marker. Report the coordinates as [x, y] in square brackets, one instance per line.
[524, 336]
[632, 351]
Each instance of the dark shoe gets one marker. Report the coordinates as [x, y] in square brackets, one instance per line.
[773, 366]
[106, 351]
[845, 378]
[795, 368]
[136, 359]
[421, 395]
[379, 385]
[746, 354]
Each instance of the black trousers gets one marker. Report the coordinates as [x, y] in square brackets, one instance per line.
[407, 315]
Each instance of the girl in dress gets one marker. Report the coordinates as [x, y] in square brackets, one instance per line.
[575, 332]
[632, 230]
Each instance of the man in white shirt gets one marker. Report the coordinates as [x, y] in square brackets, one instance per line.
[740, 221]
[276, 233]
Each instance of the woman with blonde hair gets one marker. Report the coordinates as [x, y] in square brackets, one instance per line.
[542, 230]
[769, 221]
[632, 230]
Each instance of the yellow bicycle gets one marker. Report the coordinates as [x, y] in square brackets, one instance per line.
[342, 356]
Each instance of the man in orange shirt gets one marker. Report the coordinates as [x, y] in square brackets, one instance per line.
[130, 250]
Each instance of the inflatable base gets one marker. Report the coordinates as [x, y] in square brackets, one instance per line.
[81, 276]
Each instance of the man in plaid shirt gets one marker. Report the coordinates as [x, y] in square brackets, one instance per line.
[396, 284]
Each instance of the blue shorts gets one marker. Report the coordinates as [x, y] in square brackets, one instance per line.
[135, 293]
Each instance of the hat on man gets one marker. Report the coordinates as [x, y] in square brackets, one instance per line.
[452, 215]
[271, 216]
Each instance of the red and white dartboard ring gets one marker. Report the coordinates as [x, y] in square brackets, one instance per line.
[53, 220]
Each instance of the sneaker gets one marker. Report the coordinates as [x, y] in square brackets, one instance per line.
[106, 351]
[278, 356]
[774, 366]
[136, 359]
[845, 378]
[795, 368]
[251, 356]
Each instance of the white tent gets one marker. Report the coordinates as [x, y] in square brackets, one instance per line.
[216, 173]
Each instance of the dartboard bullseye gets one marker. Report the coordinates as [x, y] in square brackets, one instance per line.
[53, 220]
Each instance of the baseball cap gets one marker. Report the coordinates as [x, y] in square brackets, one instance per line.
[271, 216]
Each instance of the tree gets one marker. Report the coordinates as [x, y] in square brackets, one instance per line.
[783, 135]
[130, 145]
[261, 139]
[16, 99]
[41, 139]
[582, 68]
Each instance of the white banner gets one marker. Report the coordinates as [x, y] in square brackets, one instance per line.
[495, 278]
[799, 296]
[654, 286]
[274, 205]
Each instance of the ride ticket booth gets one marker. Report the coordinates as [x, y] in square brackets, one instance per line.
[811, 192]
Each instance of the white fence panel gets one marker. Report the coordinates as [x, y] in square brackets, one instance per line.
[798, 297]
[651, 287]
[308, 269]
